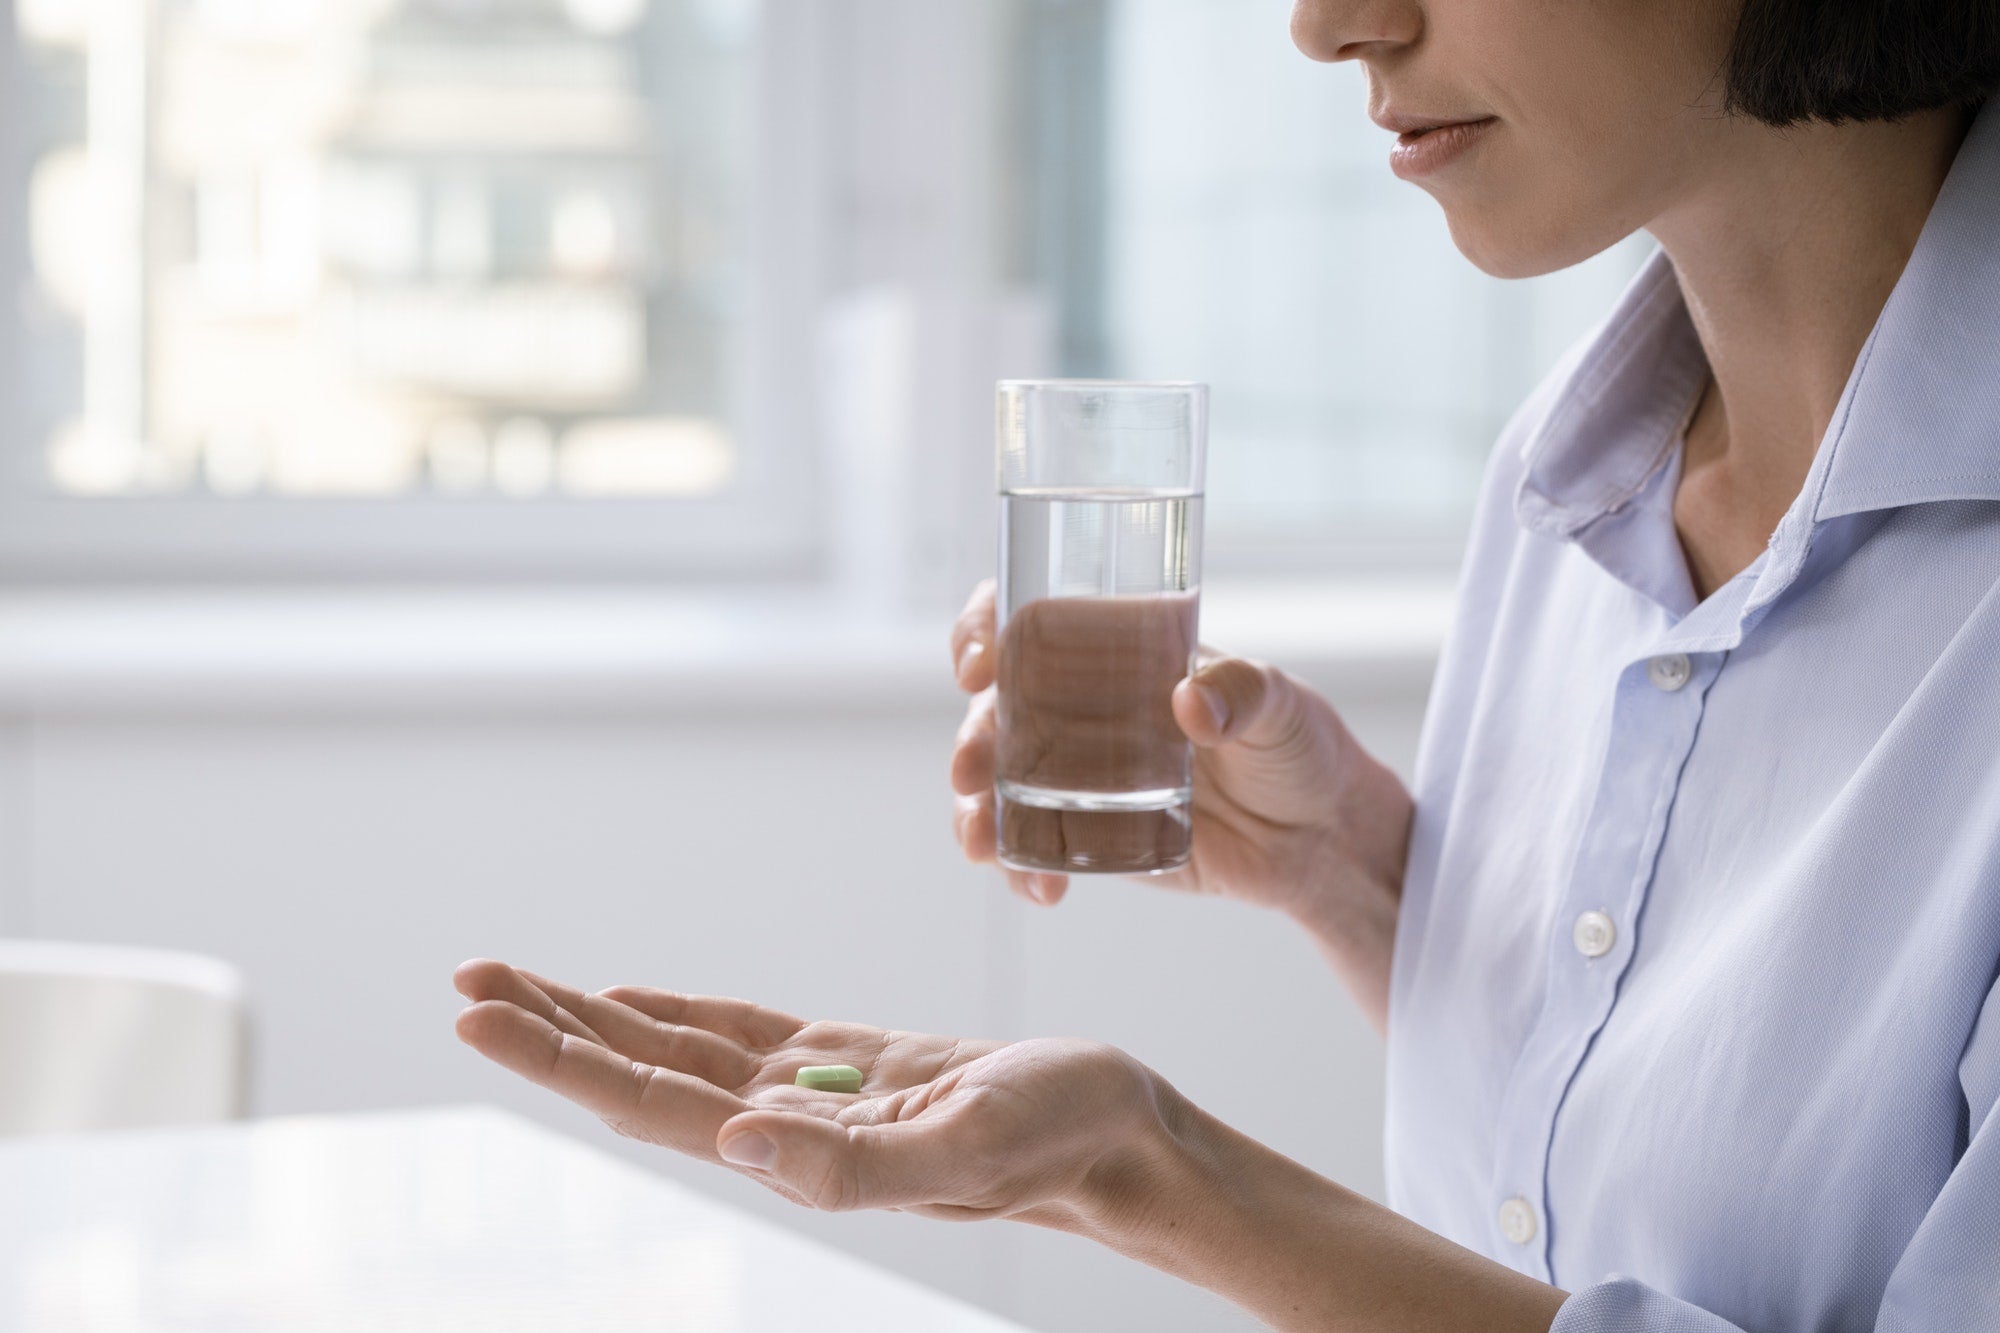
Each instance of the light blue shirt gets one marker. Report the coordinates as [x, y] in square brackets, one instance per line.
[1694, 1008]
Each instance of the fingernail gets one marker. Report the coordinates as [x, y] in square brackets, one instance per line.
[1044, 889]
[750, 1149]
[1218, 707]
[969, 656]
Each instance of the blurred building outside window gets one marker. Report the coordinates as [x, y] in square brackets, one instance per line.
[379, 247]
[352, 260]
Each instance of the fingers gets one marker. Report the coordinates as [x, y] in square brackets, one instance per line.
[972, 640]
[640, 1101]
[489, 979]
[689, 1050]
[1231, 700]
[1038, 886]
[974, 825]
[973, 821]
[972, 751]
[649, 1040]
[842, 1167]
[747, 1024]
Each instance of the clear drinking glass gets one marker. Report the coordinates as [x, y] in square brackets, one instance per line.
[1100, 576]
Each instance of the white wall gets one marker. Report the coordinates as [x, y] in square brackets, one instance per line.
[348, 855]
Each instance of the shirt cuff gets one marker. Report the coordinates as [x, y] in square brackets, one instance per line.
[1624, 1305]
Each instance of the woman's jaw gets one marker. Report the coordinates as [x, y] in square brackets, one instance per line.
[1547, 130]
[1520, 201]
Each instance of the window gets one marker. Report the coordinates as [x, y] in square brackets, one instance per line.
[556, 288]
[1208, 204]
[306, 278]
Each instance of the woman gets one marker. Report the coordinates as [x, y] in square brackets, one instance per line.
[1686, 945]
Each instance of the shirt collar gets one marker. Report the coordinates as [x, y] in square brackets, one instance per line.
[1615, 419]
[1918, 421]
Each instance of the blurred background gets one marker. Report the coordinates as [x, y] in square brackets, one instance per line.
[494, 477]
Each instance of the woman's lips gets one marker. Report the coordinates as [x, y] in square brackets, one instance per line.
[1421, 152]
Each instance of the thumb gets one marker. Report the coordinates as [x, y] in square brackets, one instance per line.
[1235, 701]
[835, 1167]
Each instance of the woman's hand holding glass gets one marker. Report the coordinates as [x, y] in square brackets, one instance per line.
[1289, 811]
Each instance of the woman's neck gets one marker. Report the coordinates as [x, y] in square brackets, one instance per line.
[1786, 261]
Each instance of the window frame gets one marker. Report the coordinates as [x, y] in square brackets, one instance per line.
[765, 525]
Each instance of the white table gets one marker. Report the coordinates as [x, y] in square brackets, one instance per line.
[432, 1221]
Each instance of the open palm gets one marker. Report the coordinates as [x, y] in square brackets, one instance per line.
[943, 1126]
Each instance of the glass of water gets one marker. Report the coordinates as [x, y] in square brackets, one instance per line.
[1100, 574]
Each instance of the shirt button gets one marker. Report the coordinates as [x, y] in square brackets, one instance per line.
[1669, 672]
[1594, 934]
[1517, 1221]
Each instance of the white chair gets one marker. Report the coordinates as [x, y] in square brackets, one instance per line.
[106, 1037]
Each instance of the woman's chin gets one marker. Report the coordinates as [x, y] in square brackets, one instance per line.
[1523, 246]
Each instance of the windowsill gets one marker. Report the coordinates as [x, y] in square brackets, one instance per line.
[458, 651]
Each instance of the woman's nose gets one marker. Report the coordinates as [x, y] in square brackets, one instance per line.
[1347, 29]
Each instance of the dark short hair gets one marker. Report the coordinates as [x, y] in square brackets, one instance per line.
[1838, 60]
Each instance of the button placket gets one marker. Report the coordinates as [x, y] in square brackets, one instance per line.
[1653, 730]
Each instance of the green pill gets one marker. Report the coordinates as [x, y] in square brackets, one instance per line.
[830, 1078]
